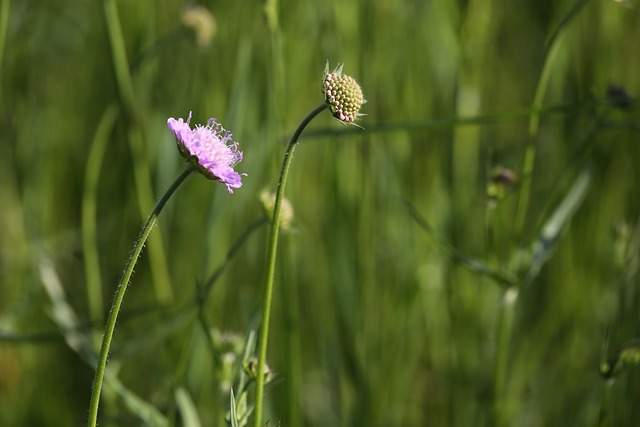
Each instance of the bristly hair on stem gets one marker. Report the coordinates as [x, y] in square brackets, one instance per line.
[119, 296]
[271, 262]
[343, 97]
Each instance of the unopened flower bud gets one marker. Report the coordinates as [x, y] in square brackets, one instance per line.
[343, 94]
[251, 369]
[286, 210]
[201, 21]
[501, 182]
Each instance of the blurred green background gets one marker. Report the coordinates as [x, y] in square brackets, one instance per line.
[405, 295]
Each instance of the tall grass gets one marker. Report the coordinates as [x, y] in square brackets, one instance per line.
[394, 291]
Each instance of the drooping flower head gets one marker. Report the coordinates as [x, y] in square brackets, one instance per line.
[210, 148]
[343, 94]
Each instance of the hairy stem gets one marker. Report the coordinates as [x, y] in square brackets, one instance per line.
[122, 288]
[271, 262]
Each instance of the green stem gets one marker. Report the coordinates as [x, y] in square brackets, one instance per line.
[530, 152]
[505, 323]
[271, 262]
[122, 287]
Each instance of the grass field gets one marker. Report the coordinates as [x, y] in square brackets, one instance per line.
[469, 258]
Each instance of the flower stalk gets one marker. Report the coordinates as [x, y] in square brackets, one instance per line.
[271, 261]
[119, 296]
[343, 98]
[211, 151]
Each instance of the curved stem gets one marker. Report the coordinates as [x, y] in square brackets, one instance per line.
[271, 262]
[122, 287]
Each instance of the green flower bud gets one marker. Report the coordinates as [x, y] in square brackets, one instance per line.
[343, 94]
[286, 210]
[501, 182]
[251, 369]
[202, 22]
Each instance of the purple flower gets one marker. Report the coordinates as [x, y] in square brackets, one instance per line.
[210, 148]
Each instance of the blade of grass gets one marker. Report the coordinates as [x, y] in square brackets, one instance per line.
[89, 225]
[551, 231]
[142, 180]
[143, 410]
[233, 415]
[67, 322]
[188, 411]
[554, 44]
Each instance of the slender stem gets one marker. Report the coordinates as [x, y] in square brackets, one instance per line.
[122, 287]
[504, 325]
[271, 262]
[528, 162]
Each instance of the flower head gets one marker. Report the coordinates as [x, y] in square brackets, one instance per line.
[210, 148]
[202, 22]
[343, 94]
[502, 181]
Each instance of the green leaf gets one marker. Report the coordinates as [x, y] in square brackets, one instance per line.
[233, 415]
[143, 410]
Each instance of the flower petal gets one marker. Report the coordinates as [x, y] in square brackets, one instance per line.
[210, 148]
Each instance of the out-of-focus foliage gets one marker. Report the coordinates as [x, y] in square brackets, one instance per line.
[405, 295]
